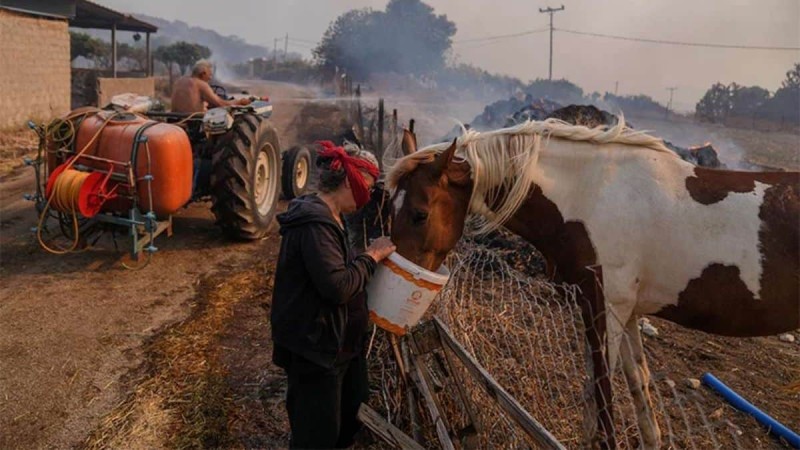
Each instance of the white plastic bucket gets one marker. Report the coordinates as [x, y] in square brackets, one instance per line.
[400, 292]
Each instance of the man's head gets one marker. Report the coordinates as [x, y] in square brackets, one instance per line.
[203, 70]
[334, 180]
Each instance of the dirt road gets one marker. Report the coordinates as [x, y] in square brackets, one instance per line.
[75, 329]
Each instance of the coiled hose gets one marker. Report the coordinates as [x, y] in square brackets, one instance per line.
[64, 194]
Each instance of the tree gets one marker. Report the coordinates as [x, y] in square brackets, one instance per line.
[716, 104]
[792, 80]
[183, 54]
[136, 54]
[91, 48]
[406, 38]
[344, 43]
[722, 101]
[416, 37]
[747, 101]
[785, 104]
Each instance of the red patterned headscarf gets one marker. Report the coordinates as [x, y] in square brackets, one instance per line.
[352, 167]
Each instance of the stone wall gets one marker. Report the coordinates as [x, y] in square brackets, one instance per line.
[34, 68]
[109, 87]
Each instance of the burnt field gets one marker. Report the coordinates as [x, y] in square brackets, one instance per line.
[179, 354]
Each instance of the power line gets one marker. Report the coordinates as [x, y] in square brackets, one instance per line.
[477, 45]
[688, 44]
[296, 42]
[305, 41]
[298, 45]
[501, 36]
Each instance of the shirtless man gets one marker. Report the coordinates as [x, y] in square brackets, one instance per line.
[190, 92]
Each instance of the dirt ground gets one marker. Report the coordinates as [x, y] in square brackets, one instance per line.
[177, 355]
[80, 335]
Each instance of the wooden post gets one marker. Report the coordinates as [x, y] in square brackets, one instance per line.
[388, 432]
[469, 441]
[420, 379]
[379, 147]
[149, 63]
[370, 139]
[497, 394]
[411, 397]
[594, 320]
[398, 356]
[359, 115]
[114, 50]
[426, 340]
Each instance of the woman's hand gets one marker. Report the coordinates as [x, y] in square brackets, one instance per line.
[380, 248]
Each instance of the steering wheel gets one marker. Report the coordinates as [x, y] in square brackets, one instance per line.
[220, 91]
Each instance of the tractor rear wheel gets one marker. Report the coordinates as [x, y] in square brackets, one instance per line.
[245, 178]
[296, 173]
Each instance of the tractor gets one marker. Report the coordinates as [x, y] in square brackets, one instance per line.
[128, 165]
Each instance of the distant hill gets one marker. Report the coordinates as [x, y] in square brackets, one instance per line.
[225, 49]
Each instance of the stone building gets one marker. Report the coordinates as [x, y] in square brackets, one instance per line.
[35, 74]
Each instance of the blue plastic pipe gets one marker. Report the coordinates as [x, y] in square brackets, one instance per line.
[773, 426]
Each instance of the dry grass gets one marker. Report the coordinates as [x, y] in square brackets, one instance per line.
[181, 399]
[14, 146]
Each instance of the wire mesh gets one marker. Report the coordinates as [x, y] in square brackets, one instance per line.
[529, 334]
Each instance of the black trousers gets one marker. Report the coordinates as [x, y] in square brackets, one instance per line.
[322, 403]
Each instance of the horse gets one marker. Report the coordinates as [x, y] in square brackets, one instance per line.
[712, 250]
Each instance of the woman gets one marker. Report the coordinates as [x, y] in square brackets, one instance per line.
[319, 313]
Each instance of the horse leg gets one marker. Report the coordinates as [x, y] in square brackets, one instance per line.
[637, 374]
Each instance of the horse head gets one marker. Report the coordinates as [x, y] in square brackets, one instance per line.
[430, 200]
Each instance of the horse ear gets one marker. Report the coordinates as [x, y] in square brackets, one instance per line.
[409, 144]
[443, 160]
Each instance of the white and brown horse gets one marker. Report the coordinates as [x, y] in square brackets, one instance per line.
[711, 250]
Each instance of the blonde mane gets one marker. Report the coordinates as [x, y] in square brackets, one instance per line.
[503, 161]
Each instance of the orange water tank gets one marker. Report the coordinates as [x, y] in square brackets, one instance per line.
[170, 159]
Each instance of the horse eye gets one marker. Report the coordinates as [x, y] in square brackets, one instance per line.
[419, 217]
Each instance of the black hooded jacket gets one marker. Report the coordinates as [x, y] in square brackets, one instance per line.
[318, 301]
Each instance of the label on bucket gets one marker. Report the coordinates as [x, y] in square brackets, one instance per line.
[397, 299]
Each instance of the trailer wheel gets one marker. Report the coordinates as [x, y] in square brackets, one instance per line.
[296, 173]
[245, 178]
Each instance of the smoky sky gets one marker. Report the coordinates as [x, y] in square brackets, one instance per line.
[594, 63]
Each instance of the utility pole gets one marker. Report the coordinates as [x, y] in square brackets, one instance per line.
[669, 105]
[616, 86]
[286, 47]
[275, 50]
[550, 11]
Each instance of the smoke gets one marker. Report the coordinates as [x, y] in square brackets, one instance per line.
[222, 72]
[689, 134]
